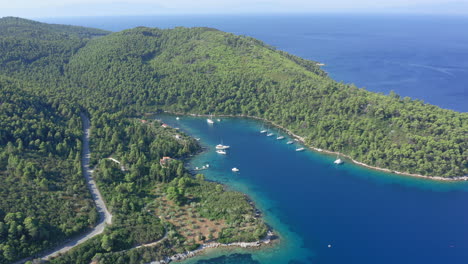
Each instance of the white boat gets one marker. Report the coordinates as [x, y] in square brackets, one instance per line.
[263, 130]
[204, 167]
[280, 137]
[210, 120]
[270, 134]
[338, 161]
[221, 146]
[219, 120]
[319, 150]
[289, 142]
[300, 149]
[177, 118]
[221, 151]
[235, 169]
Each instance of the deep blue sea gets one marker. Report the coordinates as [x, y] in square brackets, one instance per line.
[366, 217]
[423, 57]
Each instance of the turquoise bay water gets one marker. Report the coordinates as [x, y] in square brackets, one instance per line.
[366, 216]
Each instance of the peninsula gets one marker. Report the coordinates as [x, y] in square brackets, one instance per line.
[51, 75]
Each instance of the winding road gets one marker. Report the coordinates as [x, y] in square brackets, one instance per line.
[105, 217]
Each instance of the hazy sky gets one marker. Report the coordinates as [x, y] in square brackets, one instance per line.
[59, 8]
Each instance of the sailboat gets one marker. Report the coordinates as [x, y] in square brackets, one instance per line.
[289, 142]
[338, 161]
[280, 137]
[300, 149]
[263, 129]
[221, 146]
[210, 120]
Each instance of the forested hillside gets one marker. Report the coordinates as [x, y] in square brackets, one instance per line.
[51, 74]
[43, 198]
[203, 70]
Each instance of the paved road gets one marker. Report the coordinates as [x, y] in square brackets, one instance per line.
[105, 217]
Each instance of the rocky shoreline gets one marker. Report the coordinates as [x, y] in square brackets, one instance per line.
[302, 140]
[182, 256]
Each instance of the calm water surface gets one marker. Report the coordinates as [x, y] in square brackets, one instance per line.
[366, 216]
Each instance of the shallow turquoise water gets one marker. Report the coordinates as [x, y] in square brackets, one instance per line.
[366, 216]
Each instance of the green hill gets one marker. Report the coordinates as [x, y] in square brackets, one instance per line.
[50, 74]
[38, 51]
[203, 70]
[43, 197]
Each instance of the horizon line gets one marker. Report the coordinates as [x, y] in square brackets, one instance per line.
[366, 13]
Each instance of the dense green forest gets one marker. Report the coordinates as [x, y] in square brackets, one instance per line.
[129, 190]
[203, 70]
[207, 71]
[50, 74]
[43, 198]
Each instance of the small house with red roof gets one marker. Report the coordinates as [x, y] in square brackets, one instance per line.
[164, 161]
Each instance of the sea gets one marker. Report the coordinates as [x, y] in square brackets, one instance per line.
[324, 213]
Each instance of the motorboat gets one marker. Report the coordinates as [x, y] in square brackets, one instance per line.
[221, 146]
[338, 161]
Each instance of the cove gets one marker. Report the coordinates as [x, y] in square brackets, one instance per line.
[365, 216]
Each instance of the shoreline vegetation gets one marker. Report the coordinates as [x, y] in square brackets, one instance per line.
[302, 140]
[268, 240]
[53, 73]
[173, 213]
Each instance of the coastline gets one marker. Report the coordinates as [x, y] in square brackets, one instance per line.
[302, 140]
[268, 240]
